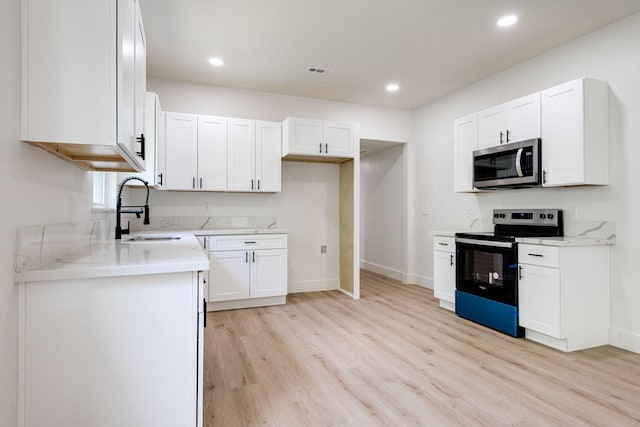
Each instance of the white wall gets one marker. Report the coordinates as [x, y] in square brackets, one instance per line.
[609, 54]
[36, 188]
[382, 212]
[308, 205]
[388, 124]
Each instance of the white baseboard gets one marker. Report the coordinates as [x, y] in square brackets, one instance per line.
[624, 339]
[416, 279]
[314, 285]
[385, 271]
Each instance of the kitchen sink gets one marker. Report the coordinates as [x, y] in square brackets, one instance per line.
[153, 238]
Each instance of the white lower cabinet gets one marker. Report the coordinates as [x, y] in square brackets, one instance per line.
[563, 295]
[111, 351]
[247, 271]
[444, 271]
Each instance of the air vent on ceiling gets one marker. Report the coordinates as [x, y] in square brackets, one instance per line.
[319, 70]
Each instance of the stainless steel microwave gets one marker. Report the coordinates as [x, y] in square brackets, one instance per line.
[508, 165]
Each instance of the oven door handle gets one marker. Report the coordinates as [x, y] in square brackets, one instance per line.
[519, 162]
[490, 243]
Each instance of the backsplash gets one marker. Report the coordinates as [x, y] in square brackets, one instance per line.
[43, 244]
[205, 223]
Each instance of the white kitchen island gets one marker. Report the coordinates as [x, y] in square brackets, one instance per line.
[112, 335]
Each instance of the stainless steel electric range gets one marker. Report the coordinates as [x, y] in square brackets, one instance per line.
[487, 266]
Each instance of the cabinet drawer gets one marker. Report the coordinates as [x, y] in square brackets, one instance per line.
[247, 241]
[545, 256]
[444, 244]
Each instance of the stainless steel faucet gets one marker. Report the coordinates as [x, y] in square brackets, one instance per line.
[138, 210]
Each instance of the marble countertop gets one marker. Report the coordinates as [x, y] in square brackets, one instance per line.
[565, 241]
[237, 231]
[444, 233]
[110, 258]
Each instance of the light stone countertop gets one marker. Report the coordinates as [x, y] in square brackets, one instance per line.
[111, 258]
[238, 231]
[565, 241]
[444, 233]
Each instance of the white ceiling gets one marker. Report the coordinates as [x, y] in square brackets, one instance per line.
[429, 47]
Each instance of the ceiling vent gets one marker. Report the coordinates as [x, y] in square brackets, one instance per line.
[318, 70]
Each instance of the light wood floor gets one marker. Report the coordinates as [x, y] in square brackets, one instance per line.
[394, 358]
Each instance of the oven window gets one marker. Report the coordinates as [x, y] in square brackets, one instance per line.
[486, 268]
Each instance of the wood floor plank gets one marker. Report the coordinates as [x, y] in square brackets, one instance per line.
[395, 358]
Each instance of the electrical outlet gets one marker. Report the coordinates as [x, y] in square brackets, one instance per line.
[467, 212]
[206, 207]
[323, 249]
[573, 212]
[426, 210]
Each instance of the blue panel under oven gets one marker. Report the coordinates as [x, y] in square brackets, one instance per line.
[496, 315]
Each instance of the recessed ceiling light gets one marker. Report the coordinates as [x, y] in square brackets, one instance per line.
[392, 87]
[507, 21]
[216, 61]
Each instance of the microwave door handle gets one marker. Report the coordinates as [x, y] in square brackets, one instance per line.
[519, 162]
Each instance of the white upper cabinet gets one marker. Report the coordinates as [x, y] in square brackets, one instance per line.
[465, 141]
[153, 175]
[269, 156]
[211, 174]
[513, 121]
[255, 161]
[575, 133]
[83, 81]
[318, 138]
[181, 149]
[242, 155]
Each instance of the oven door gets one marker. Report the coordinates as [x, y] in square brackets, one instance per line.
[488, 269]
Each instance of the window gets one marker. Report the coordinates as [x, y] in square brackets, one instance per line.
[104, 190]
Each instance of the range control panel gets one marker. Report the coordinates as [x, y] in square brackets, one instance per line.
[546, 217]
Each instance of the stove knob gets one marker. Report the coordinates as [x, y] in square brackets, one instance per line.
[496, 215]
[550, 216]
[502, 215]
[542, 216]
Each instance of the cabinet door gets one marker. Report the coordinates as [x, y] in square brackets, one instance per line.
[304, 136]
[492, 127]
[151, 131]
[212, 153]
[563, 134]
[229, 275]
[539, 299]
[181, 148]
[268, 273]
[465, 141]
[242, 155]
[269, 156]
[140, 85]
[523, 117]
[126, 75]
[444, 276]
[339, 139]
